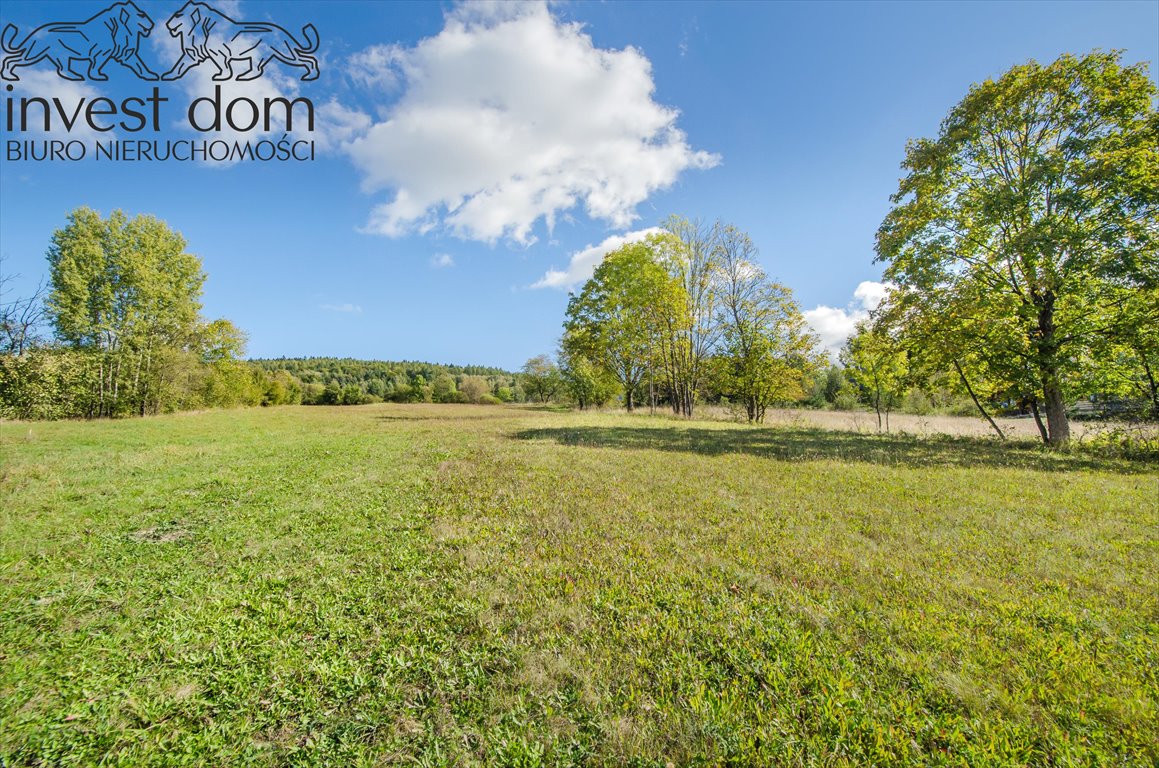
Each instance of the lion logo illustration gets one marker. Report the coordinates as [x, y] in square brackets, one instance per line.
[207, 34]
[111, 35]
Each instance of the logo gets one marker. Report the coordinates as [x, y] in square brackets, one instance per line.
[111, 35]
[114, 34]
[226, 127]
[207, 34]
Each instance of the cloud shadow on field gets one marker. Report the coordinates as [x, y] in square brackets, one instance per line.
[795, 444]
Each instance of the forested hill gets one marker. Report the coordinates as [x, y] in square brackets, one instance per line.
[325, 380]
[347, 370]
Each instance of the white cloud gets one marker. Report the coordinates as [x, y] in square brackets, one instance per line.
[336, 124]
[347, 308]
[583, 263]
[870, 294]
[442, 261]
[508, 116]
[376, 66]
[834, 325]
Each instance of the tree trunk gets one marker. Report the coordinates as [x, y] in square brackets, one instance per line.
[1154, 387]
[116, 386]
[100, 387]
[1038, 421]
[976, 402]
[137, 390]
[1058, 427]
[651, 390]
[628, 398]
[1057, 423]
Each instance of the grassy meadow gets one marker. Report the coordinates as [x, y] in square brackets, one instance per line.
[468, 585]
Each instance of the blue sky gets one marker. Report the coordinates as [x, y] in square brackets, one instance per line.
[473, 159]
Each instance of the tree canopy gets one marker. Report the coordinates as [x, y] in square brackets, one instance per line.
[686, 312]
[1027, 225]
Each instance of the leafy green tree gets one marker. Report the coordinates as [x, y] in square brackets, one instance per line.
[767, 350]
[541, 380]
[826, 385]
[220, 340]
[585, 382]
[126, 291]
[45, 383]
[280, 388]
[331, 395]
[612, 321]
[313, 393]
[474, 388]
[877, 364]
[684, 307]
[1026, 219]
[227, 384]
[443, 388]
[939, 338]
[1128, 351]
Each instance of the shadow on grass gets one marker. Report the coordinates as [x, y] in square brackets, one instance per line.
[797, 444]
[455, 412]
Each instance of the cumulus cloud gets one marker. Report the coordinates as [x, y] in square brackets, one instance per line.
[870, 294]
[583, 263]
[834, 325]
[509, 116]
[442, 261]
[347, 308]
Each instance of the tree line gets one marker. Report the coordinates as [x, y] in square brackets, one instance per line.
[123, 300]
[344, 381]
[1021, 254]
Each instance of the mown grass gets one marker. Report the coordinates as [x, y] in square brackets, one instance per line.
[472, 585]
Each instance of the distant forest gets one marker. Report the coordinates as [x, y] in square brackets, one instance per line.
[345, 381]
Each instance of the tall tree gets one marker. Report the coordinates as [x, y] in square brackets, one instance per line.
[767, 350]
[687, 318]
[612, 321]
[877, 364]
[125, 290]
[587, 383]
[1031, 212]
[541, 379]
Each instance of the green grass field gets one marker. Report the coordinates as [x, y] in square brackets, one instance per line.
[455, 585]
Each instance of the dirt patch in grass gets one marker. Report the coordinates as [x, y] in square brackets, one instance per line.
[159, 535]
